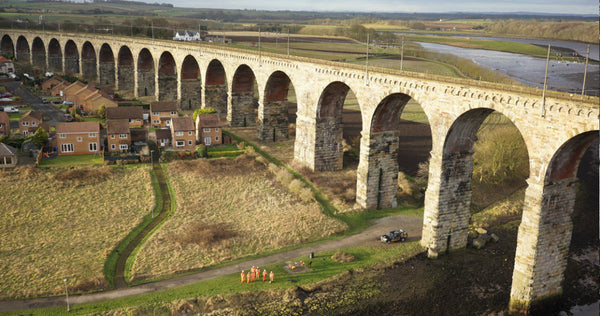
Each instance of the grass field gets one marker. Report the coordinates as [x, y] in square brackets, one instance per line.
[63, 223]
[70, 161]
[227, 209]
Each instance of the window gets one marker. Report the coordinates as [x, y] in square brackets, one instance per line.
[92, 134]
[123, 146]
[62, 135]
[189, 142]
[112, 136]
[190, 133]
[79, 138]
[168, 122]
[206, 140]
[25, 133]
[130, 120]
[154, 113]
[156, 122]
[216, 129]
[32, 123]
[25, 123]
[66, 148]
[138, 120]
[206, 129]
[216, 138]
[173, 112]
[113, 146]
[180, 143]
[179, 133]
[122, 135]
[93, 147]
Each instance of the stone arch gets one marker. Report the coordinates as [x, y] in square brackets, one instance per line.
[88, 61]
[167, 77]
[106, 65]
[38, 53]
[191, 84]
[71, 58]
[145, 73]
[277, 111]
[244, 100]
[126, 70]
[55, 55]
[449, 193]
[215, 87]
[547, 227]
[23, 52]
[7, 48]
[330, 127]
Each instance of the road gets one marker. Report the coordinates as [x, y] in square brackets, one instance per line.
[368, 237]
[51, 114]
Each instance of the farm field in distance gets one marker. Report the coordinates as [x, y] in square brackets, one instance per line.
[62, 223]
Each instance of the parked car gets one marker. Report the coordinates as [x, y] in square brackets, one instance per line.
[68, 103]
[11, 109]
[45, 101]
[393, 236]
[68, 117]
[6, 95]
[26, 75]
[56, 101]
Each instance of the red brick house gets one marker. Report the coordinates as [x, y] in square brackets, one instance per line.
[4, 124]
[118, 135]
[163, 137]
[183, 133]
[133, 114]
[77, 138]
[161, 113]
[6, 65]
[53, 82]
[208, 129]
[29, 123]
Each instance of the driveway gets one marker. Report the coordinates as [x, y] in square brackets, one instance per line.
[52, 114]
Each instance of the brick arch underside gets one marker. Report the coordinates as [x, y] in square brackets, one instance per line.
[7, 47]
[277, 112]
[329, 154]
[71, 58]
[215, 87]
[244, 106]
[145, 74]
[23, 52]
[191, 84]
[38, 53]
[106, 68]
[125, 71]
[54, 55]
[88, 61]
[167, 78]
[383, 153]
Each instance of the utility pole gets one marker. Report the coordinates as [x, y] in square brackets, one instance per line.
[259, 52]
[587, 56]
[402, 55]
[367, 63]
[545, 81]
[288, 45]
[152, 26]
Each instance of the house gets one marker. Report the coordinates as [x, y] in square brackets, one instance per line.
[183, 133]
[94, 101]
[161, 113]
[6, 65]
[77, 138]
[187, 36]
[208, 129]
[68, 92]
[118, 135]
[53, 82]
[29, 123]
[57, 90]
[134, 114]
[4, 124]
[8, 156]
[163, 137]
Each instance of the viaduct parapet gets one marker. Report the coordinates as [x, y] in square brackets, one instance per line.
[251, 89]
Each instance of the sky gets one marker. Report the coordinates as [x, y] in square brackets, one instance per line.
[421, 6]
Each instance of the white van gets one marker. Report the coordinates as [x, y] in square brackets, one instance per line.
[11, 109]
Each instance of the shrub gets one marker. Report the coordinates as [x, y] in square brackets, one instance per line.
[201, 151]
[284, 177]
[295, 186]
[306, 195]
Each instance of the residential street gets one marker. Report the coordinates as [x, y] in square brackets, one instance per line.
[52, 114]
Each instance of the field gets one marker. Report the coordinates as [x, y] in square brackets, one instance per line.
[227, 209]
[62, 223]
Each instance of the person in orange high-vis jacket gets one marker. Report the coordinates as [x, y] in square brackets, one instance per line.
[248, 277]
[252, 275]
[243, 276]
[271, 277]
[257, 273]
[264, 275]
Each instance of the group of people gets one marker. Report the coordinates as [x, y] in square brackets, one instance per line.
[254, 275]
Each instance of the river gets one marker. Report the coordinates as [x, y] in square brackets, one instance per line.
[562, 76]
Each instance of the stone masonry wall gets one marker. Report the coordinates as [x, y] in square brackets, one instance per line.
[191, 94]
[107, 73]
[88, 69]
[167, 87]
[328, 144]
[447, 213]
[39, 59]
[55, 62]
[215, 96]
[378, 174]
[146, 83]
[71, 65]
[273, 121]
[244, 109]
[543, 248]
[126, 78]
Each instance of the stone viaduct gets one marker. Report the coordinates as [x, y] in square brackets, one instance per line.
[557, 130]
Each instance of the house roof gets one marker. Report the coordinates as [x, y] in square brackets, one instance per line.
[125, 112]
[44, 125]
[182, 123]
[208, 120]
[6, 150]
[4, 60]
[163, 133]
[118, 126]
[55, 80]
[163, 106]
[78, 127]
[33, 114]
[75, 86]
[139, 134]
[4, 116]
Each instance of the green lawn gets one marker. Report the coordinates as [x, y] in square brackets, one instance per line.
[68, 161]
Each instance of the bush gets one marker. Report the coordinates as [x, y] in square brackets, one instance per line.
[284, 177]
[201, 151]
[306, 195]
[295, 186]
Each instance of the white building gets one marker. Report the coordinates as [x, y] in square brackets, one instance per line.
[187, 36]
